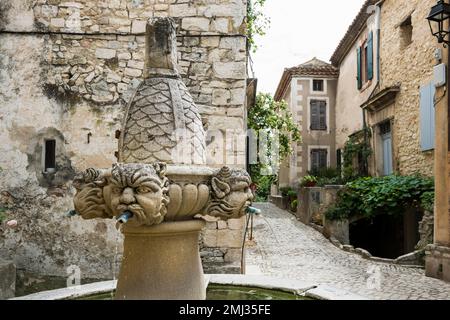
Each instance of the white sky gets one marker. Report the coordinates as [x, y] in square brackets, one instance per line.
[299, 31]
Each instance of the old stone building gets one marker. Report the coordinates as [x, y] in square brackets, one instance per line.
[67, 71]
[310, 92]
[400, 111]
[356, 57]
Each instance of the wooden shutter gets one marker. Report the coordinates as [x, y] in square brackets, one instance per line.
[323, 115]
[358, 58]
[427, 117]
[323, 161]
[315, 122]
[370, 56]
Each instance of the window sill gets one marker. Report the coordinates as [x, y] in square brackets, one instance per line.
[365, 86]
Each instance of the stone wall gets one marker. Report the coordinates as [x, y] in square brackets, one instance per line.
[67, 70]
[411, 67]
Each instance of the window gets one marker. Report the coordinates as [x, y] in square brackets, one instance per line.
[427, 117]
[406, 31]
[365, 62]
[339, 159]
[319, 159]
[386, 142]
[318, 85]
[50, 156]
[318, 115]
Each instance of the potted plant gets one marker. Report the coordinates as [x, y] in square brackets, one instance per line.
[308, 181]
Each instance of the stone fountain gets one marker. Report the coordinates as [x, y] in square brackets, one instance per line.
[161, 185]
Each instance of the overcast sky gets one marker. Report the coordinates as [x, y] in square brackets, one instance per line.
[299, 31]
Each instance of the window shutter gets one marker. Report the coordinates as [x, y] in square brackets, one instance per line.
[358, 58]
[427, 117]
[314, 160]
[314, 115]
[323, 159]
[370, 56]
[323, 115]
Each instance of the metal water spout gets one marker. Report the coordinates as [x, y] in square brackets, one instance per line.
[161, 183]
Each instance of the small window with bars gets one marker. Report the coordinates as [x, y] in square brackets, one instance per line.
[319, 159]
[318, 115]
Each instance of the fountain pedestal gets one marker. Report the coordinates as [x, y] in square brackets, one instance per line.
[162, 262]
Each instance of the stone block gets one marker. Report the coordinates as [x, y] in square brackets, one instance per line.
[221, 225]
[237, 96]
[57, 22]
[229, 238]
[221, 97]
[236, 224]
[233, 255]
[138, 26]
[195, 24]
[210, 238]
[136, 64]
[182, 10]
[230, 70]
[210, 41]
[133, 72]
[103, 53]
[124, 56]
[220, 25]
[7, 279]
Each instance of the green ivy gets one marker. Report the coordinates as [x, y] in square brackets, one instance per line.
[357, 144]
[384, 195]
[257, 22]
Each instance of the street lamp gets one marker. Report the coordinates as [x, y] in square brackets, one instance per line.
[439, 13]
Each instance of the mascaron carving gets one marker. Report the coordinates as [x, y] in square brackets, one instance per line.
[146, 192]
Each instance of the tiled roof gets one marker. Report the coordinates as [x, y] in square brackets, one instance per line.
[315, 67]
[352, 33]
[311, 68]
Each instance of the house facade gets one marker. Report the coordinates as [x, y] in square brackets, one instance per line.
[310, 92]
[67, 71]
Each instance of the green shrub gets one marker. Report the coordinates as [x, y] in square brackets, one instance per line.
[285, 191]
[427, 201]
[372, 196]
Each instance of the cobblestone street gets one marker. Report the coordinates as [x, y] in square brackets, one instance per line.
[286, 248]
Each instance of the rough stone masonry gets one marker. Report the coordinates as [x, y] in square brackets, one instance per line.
[67, 71]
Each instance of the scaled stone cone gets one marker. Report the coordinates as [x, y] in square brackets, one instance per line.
[162, 180]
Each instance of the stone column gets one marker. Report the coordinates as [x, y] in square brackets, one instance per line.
[438, 254]
[162, 263]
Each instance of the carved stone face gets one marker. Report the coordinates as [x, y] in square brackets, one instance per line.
[140, 189]
[231, 194]
[89, 201]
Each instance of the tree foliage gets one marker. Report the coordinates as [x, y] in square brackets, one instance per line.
[275, 119]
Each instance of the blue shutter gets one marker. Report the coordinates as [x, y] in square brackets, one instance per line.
[370, 56]
[427, 117]
[358, 58]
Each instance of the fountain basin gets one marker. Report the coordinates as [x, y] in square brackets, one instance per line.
[277, 288]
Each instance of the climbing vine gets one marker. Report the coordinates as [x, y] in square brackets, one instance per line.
[382, 195]
[257, 22]
[357, 146]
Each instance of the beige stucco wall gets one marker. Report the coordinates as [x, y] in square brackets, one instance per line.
[65, 86]
[312, 139]
[410, 67]
[349, 117]
[298, 96]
